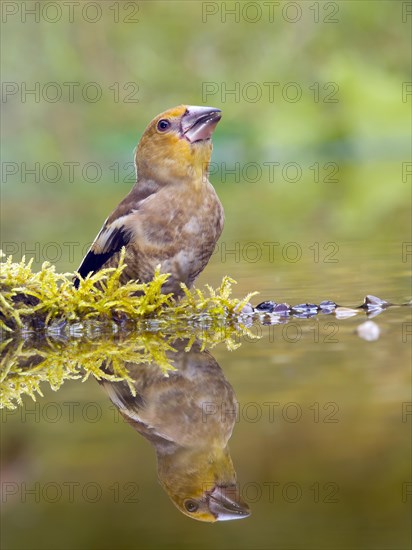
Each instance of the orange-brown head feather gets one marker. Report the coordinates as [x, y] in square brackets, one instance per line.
[176, 146]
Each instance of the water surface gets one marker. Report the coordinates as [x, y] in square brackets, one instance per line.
[321, 442]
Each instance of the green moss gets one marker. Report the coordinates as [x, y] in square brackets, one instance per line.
[47, 299]
[25, 365]
[29, 361]
[59, 333]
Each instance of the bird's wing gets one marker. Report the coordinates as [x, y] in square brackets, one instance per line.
[132, 409]
[110, 240]
[116, 232]
[120, 395]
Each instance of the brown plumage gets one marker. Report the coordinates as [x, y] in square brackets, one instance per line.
[172, 216]
[188, 417]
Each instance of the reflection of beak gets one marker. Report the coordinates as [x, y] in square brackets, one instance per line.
[198, 123]
[225, 503]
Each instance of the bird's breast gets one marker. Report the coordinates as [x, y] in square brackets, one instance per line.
[179, 231]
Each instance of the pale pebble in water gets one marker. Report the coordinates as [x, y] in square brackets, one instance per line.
[345, 312]
[369, 331]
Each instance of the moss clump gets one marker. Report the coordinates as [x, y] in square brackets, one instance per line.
[58, 332]
[46, 299]
[25, 365]
[29, 361]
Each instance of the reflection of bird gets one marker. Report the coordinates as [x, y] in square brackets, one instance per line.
[188, 417]
[172, 216]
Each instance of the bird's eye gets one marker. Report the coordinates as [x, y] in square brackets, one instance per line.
[163, 125]
[191, 505]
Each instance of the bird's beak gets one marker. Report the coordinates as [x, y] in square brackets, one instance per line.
[198, 123]
[226, 504]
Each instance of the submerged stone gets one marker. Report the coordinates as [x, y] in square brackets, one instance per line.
[282, 309]
[306, 315]
[327, 306]
[306, 309]
[268, 306]
[374, 312]
[247, 309]
[271, 319]
[372, 302]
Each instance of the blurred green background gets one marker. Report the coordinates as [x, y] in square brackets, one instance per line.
[319, 88]
[338, 125]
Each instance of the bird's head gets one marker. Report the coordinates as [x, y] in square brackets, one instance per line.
[219, 503]
[177, 146]
[202, 484]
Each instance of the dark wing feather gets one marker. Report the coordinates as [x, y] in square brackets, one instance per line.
[109, 241]
[94, 261]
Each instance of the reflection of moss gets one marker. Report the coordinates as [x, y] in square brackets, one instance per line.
[48, 299]
[29, 361]
[25, 365]
[98, 328]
